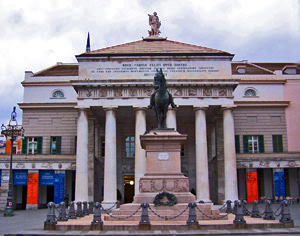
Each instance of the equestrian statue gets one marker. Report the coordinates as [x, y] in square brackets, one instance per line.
[160, 99]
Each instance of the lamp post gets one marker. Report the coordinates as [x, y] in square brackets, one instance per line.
[12, 130]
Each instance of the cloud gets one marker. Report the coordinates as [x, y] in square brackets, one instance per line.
[36, 34]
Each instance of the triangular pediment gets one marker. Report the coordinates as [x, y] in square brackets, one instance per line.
[155, 46]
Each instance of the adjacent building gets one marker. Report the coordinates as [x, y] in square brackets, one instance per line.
[82, 125]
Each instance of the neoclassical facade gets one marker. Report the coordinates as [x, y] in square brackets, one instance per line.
[83, 124]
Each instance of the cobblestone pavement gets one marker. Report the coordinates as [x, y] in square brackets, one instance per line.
[22, 220]
[32, 221]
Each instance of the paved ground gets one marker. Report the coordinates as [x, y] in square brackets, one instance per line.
[31, 223]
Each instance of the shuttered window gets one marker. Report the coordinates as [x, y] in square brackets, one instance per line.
[277, 143]
[32, 145]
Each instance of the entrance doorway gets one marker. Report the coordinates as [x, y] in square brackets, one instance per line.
[128, 188]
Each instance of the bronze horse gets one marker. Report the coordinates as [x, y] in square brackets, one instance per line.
[161, 99]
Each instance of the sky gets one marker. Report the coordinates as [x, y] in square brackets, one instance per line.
[37, 34]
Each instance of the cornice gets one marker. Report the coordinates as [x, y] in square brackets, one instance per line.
[47, 105]
[262, 103]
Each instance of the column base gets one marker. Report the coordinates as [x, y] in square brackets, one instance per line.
[206, 201]
[109, 205]
[31, 206]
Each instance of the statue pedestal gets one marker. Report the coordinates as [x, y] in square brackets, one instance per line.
[163, 172]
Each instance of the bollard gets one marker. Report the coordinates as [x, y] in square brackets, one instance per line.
[239, 215]
[192, 220]
[62, 216]
[285, 213]
[144, 217]
[91, 207]
[268, 211]
[51, 220]
[85, 208]
[97, 215]
[235, 206]
[255, 211]
[71, 214]
[79, 212]
[246, 212]
[228, 208]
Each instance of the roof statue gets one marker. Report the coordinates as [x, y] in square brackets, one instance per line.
[155, 24]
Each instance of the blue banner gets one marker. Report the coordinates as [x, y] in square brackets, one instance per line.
[46, 177]
[0, 177]
[279, 184]
[20, 177]
[59, 187]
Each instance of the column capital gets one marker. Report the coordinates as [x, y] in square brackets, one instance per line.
[228, 107]
[173, 109]
[138, 108]
[110, 108]
[196, 108]
[82, 108]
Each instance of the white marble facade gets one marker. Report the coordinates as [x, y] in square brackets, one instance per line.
[107, 95]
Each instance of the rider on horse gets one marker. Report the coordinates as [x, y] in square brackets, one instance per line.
[156, 87]
[161, 98]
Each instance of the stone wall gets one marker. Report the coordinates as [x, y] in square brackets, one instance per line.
[266, 121]
[52, 122]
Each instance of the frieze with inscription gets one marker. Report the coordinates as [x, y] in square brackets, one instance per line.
[191, 69]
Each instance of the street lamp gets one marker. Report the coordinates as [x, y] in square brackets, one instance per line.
[12, 130]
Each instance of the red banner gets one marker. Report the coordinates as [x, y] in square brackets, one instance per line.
[32, 188]
[252, 189]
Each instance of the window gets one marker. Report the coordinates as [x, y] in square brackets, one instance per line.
[250, 93]
[58, 94]
[32, 145]
[130, 146]
[55, 145]
[277, 143]
[253, 143]
[241, 69]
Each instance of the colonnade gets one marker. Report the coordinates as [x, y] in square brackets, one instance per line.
[110, 166]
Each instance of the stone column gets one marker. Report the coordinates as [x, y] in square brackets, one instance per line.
[140, 154]
[81, 188]
[110, 162]
[231, 189]
[171, 118]
[202, 179]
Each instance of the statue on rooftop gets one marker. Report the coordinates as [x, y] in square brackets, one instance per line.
[155, 24]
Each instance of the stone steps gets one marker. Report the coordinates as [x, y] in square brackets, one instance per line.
[137, 217]
[126, 210]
